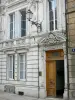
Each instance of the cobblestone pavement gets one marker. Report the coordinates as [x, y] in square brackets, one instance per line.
[9, 96]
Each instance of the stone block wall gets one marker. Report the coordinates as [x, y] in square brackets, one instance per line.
[31, 82]
[70, 14]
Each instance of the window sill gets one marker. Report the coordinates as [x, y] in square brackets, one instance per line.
[15, 39]
[11, 79]
[22, 80]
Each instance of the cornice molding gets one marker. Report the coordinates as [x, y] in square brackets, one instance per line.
[13, 3]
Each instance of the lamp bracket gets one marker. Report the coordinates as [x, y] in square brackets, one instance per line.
[36, 23]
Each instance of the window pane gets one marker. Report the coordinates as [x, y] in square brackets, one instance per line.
[10, 63]
[23, 15]
[21, 66]
[11, 26]
[23, 23]
[21, 58]
[55, 24]
[55, 13]
[22, 61]
[51, 15]
[55, 54]
[10, 74]
[23, 32]
[21, 74]
[51, 25]
[11, 18]
[55, 4]
[11, 66]
[50, 5]
[11, 34]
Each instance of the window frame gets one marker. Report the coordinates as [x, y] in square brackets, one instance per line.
[24, 67]
[54, 20]
[13, 66]
[13, 26]
[23, 10]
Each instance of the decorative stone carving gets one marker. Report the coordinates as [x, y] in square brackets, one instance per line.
[52, 38]
[15, 43]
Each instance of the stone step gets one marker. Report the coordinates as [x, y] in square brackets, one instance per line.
[52, 99]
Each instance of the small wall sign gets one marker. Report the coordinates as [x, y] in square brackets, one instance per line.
[73, 50]
[40, 73]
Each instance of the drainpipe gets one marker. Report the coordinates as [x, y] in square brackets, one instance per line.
[1, 69]
[38, 47]
[66, 7]
[38, 71]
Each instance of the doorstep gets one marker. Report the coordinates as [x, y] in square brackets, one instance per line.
[54, 98]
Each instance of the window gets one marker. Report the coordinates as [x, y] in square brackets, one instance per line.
[11, 67]
[52, 15]
[22, 66]
[12, 25]
[23, 23]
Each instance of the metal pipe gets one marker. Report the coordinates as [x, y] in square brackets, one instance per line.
[38, 71]
[1, 69]
[38, 47]
[66, 6]
[37, 14]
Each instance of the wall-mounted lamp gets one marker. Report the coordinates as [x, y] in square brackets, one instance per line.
[29, 17]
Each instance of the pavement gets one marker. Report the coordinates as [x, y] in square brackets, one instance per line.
[10, 96]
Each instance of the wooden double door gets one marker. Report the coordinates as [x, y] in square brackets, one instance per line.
[54, 59]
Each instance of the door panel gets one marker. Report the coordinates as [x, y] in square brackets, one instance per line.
[51, 78]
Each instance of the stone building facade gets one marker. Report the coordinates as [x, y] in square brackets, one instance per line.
[33, 63]
[70, 19]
